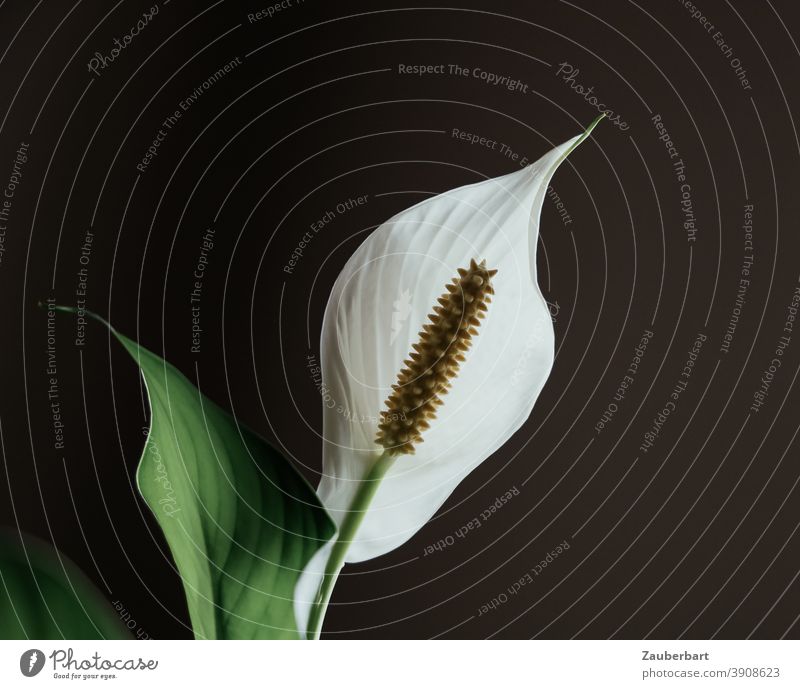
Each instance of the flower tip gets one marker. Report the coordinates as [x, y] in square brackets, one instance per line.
[594, 123]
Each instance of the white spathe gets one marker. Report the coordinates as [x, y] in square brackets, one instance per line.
[375, 312]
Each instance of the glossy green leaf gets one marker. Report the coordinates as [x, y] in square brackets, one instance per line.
[45, 596]
[240, 521]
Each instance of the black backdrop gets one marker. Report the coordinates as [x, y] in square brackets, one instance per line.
[695, 537]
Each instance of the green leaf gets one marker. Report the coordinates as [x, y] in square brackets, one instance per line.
[240, 521]
[45, 596]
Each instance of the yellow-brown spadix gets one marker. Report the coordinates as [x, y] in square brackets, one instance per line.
[435, 359]
[435, 345]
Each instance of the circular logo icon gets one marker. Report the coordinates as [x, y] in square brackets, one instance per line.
[31, 662]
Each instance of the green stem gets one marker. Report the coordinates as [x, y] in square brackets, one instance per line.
[355, 515]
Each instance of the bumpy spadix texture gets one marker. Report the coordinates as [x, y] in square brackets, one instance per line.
[435, 359]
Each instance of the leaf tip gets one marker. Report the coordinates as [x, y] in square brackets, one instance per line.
[74, 310]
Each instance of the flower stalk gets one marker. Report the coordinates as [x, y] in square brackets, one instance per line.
[366, 491]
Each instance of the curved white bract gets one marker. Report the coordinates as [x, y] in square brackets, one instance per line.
[377, 307]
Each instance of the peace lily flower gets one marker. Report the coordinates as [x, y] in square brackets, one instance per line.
[436, 342]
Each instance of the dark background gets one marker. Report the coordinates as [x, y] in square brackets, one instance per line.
[695, 538]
